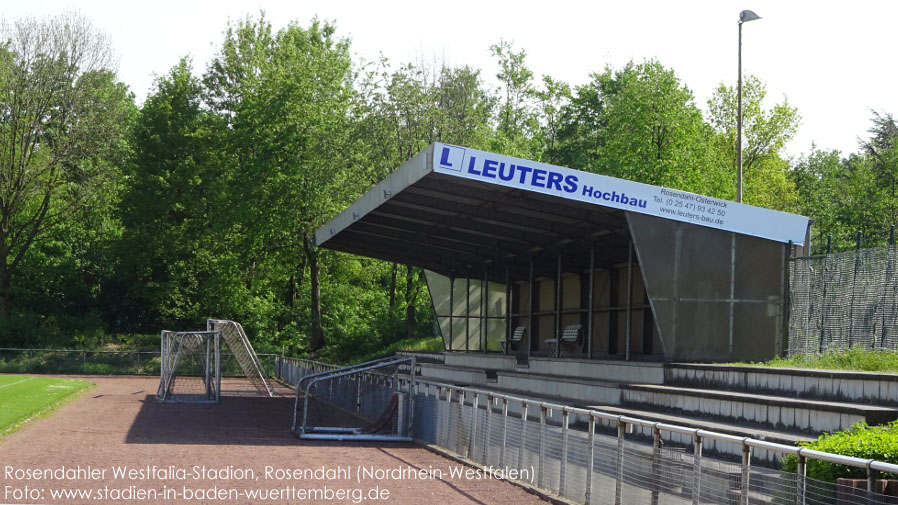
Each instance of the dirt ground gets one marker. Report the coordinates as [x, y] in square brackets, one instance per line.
[185, 454]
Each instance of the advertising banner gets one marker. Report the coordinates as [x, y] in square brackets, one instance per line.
[618, 193]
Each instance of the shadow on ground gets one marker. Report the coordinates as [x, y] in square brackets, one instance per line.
[237, 420]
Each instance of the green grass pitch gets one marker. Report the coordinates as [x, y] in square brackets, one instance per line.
[23, 398]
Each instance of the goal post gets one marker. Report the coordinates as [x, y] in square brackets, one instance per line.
[190, 367]
[369, 401]
[238, 343]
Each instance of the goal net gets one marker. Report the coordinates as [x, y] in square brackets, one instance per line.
[369, 401]
[190, 367]
[233, 335]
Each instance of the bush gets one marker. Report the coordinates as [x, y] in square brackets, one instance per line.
[856, 359]
[859, 441]
[409, 344]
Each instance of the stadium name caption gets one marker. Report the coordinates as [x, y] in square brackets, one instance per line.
[199, 473]
[148, 472]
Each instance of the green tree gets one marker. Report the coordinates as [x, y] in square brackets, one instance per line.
[766, 132]
[639, 123]
[64, 115]
[857, 193]
[517, 124]
[881, 153]
[286, 99]
[580, 128]
[402, 112]
[170, 206]
[820, 179]
[552, 101]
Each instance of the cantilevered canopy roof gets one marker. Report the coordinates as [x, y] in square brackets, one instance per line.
[460, 211]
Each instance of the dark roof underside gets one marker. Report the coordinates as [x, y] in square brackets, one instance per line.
[460, 227]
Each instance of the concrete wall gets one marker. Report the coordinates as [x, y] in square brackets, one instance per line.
[863, 387]
[490, 361]
[618, 371]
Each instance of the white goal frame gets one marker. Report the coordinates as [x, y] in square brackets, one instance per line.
[198, 353]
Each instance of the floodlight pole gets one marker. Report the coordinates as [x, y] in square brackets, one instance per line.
[744, 17]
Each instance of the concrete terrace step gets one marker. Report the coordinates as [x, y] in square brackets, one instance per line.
[609, 370]
[837, 385]
[582, 391]
[780, 412]
[768, 458]
[615, 370]
[453, 374]
[691, 421]
[422, 356]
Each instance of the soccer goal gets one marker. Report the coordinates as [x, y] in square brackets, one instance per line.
[190, 367]
[369, 401]
[242, 350]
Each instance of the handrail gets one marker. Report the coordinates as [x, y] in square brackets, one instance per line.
[869, 464]
[319, 374]
[106, 351]
[341, 372]
[326, 372]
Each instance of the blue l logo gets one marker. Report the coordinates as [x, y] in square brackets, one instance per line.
[444, 161]
[449, 158]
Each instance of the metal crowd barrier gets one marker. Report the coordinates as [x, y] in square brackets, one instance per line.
[589, 456]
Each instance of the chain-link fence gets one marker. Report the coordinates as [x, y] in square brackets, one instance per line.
[592, 457]
[844, 300]
[102, 362]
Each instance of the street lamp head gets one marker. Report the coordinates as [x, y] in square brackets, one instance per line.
[746, 16]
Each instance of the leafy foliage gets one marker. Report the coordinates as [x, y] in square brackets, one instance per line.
[856, 358]
[859, 441]
[639, 123]
[853, 194]
[204, 203]
[63, 120]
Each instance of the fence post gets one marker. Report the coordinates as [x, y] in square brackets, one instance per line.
[801, 480]
[564, 440]
[829, 245]
[84, 362]
[543, 411]
[619, 473]
[486, 429]
[504, 430]
[696, 469]
[656, 462]
[462, 396]
[746, 473]
[890, 258]
[472, 443]
[138, 362]
[785, 327]
[448, 410]
[358, 396]
[857, 265]
[590, 458]
[523, 434]
[871, 479]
